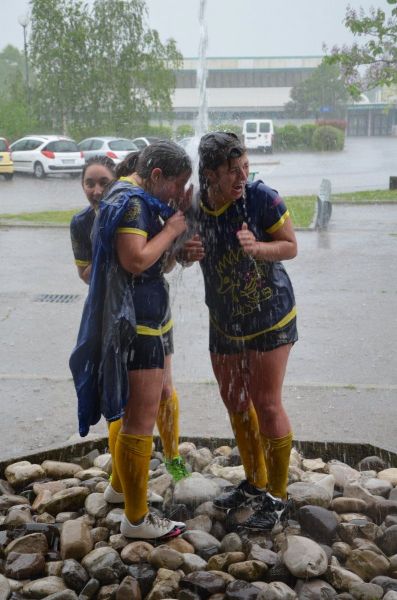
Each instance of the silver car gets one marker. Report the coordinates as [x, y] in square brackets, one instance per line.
[115, 148]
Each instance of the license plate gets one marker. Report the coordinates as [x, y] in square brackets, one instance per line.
[68, 162]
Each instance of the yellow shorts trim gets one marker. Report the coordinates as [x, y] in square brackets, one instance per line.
[279, 223]
[132, 230]
[279, 325]
[82, 263]
[145, 330]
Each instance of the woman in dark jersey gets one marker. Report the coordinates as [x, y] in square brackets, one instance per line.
[246, 231]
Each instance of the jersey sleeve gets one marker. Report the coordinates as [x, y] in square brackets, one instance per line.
[81, 244]
[272, 208]
[136, 218]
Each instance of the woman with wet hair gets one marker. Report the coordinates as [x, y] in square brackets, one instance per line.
[246, 232]
[135, 229]
[97, 173]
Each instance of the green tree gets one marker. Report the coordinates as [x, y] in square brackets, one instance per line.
[374, 62]
[98, 67]
[11, 64]
[322, 93]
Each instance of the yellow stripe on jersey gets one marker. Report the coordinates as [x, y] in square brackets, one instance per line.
[219, 211]
[282, 323]
[279, 223]
[145, 330]
[132, 230]
[82, 263]
[130, 179]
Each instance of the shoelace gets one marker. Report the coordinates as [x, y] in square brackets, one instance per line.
[158, 521]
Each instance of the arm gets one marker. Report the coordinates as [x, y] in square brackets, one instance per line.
[84, 273]
[283, 245]
[136, 253]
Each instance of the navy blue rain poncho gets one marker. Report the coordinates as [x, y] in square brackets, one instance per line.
[108, 325]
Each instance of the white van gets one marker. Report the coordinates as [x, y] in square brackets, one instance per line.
[258, 134]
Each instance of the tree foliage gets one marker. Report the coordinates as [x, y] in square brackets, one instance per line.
[15, 118]
[373, 62]
[322, 93]
[98, 67]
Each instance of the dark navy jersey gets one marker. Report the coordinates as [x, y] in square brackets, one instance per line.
[80, 233]
[150, 288]
[245, 297]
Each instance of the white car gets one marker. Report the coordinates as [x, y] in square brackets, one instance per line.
[44, 155]
[142, 142]
[113, 147]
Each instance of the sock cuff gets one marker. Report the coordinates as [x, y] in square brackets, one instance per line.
[282, 442]
[136, 444]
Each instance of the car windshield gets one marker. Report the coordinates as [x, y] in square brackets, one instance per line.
[3, 146]
[127, 145]
[62, 146]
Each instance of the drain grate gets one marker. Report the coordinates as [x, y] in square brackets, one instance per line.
[58, 298]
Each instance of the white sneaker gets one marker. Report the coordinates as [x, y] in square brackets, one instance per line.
[113, 497]
[152, 527]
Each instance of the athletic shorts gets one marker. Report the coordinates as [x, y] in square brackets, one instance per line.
[146, 352]
[220, 344]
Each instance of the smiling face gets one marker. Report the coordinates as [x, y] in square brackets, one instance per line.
[96, 178]
[227, 181]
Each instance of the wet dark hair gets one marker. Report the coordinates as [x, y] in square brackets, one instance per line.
[165, 155]
[216, 149]
[103, 160]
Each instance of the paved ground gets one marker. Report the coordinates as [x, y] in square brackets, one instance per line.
[341, 383]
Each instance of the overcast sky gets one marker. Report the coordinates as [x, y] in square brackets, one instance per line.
[235, 27]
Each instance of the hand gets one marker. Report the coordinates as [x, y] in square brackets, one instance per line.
[247, 240]
[192, 250]
[185, 200]
[176, 224]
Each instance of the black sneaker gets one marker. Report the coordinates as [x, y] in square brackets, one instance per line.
[234, 496]
[270, 511]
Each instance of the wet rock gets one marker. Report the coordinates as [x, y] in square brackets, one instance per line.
[192, 563]
[90, 473]
[207, 508]
[221, 562]
[8, 500]
[262, 554]
[18, 517]
[68, 499]
[201, 522]
[96, 505]
[387, 542]
[348, 505]
[302, 493]
[277, 591]
[113, 519]
[378, 487]
[160, 485]
[348, 532]
[342, 473]
[99, 534]
[29, 544]
[204, 543]
[76, 540]
[314, 464]
[367, 564]
[304, 558]
[315, 589]
[203, 583]
[189, 595]
[165, 557]
[354, 489]
[90, 589]
[340, 578]
[223, 451]
[380, 508]
[5, 588]
[319, 522]
[180, 545]
[165, 585]
[387, 583]
[21, 473]
[60, 470]
[195, 490]
[242, 590]
[366, 591]
[371, 463]
[200, 458]
[104, 462]
[129, 589]
[105, 565]
[41, 588]
[249, 570]
[231, 543]
[232, 474]
[64, 595]
[391, 595]
[74, 575]
[387, 474]
[24, 566]
[145, 574]
[107, 592]
[341, 550]
[136, 552]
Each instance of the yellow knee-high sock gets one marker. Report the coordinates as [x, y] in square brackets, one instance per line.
[168, 425]
[277, 452]
[246, 431]
[114, 428]
[132, 459]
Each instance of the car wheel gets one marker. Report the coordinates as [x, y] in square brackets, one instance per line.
[8, 176]
[38, 170]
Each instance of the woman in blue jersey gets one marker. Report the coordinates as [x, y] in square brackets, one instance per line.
[142, 239]
[246, 232]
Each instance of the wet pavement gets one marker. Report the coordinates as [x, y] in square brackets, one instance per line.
[341, 383]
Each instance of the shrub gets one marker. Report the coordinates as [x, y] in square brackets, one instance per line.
[184, 131]
[307, 131]
[232, 127]
[287, 137]
[338, 123]
[327, 137]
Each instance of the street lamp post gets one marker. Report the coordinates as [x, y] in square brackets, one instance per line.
[24, 21]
